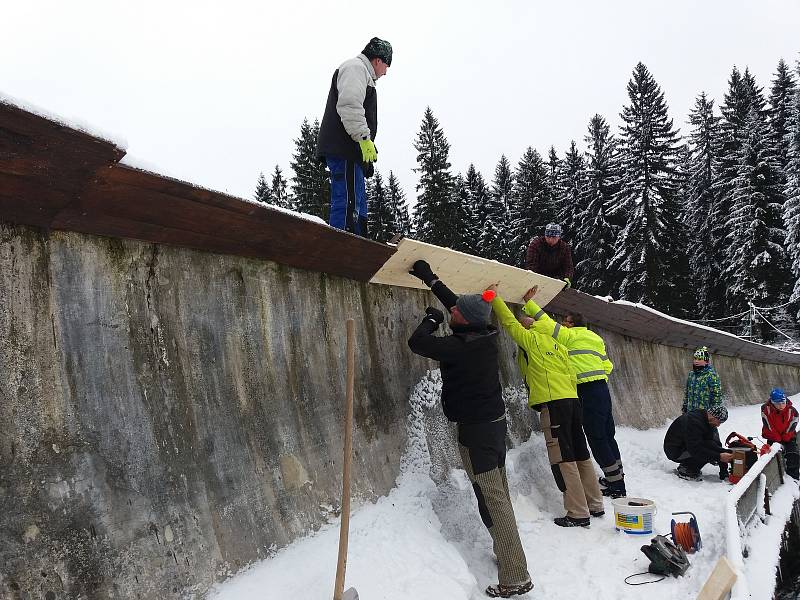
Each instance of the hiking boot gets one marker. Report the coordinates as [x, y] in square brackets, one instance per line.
[597, 513]
[571, 522]
[685, 472]
[506, 591]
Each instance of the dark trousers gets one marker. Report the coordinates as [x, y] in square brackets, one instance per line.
[598, 422]
[792, 458]
[348, 196]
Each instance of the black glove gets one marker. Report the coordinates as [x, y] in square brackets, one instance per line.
[435, 315]
[723, 471]
[422, 270]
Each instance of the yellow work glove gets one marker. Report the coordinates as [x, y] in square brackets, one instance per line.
[569, 283]
[368, 152]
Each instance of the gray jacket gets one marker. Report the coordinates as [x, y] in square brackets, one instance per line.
[351, 112]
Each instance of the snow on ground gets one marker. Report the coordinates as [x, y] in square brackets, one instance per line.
[425, 540]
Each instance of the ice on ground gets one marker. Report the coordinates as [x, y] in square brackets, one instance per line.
[425, 540]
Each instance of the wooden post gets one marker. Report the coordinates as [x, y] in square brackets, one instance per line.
[348, 451]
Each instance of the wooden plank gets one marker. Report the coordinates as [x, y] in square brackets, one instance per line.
[720, 582]
[464, 273]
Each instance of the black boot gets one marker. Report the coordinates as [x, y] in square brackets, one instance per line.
[571, 522]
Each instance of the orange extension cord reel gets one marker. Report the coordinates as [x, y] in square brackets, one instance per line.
[686, 535]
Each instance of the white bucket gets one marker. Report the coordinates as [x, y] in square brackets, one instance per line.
[634, 515]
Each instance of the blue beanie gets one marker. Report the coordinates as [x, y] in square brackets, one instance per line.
[552, 230]
[777, 395]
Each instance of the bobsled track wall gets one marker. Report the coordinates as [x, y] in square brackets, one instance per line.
[168, 416]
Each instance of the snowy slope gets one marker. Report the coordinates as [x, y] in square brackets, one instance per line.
[425, 540]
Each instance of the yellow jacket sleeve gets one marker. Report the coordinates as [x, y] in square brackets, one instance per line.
[545, 324]
[508, 321]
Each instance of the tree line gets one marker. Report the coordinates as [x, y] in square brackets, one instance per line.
[702, 224]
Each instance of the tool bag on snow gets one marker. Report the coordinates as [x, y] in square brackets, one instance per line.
[665, 557]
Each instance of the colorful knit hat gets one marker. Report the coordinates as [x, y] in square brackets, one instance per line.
[702, 354]
[552, 230]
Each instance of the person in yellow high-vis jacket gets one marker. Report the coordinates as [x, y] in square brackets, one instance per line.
[551, 383]
[587, 353]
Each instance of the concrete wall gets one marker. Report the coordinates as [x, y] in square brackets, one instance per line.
[169, 416]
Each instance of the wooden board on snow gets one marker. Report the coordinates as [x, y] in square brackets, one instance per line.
[720, 582]
[464, 273]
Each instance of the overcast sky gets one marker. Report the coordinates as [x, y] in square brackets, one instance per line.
[214, 92]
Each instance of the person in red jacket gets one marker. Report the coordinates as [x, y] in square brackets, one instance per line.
[779, 420]
[550, 255]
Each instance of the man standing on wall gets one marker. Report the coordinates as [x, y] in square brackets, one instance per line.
[550, 255]
[552, 391]
[587, 352]
[347, 133]
[472, 398]
[703, 391]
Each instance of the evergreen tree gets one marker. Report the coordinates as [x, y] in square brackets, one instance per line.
[397, 201]
[381, 225]
[495, 239]
[556, 192]
[463, 234]
[573, 188]
[478, 195]
[702, 159]
[791, 206]
[595, 235]
[530, 197]
[279, 192]
[756, 264]
[435, 214]
[780, 112]
[650, 251]
[263, 192]
[310, 185]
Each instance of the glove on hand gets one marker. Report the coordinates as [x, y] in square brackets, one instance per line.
[435, 315]
[422, 270]
[569, 283]
[723, 471]
[368, 152]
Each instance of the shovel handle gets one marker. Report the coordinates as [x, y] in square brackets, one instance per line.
[344, 529]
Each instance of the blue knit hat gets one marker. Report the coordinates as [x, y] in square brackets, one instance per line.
[777, 395]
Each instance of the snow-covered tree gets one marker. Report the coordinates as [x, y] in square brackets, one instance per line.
[478, 199]
[530, 200]
[595, 235]
[310, 184]
[650, 251]
[435, 213]
[263, 191]
[495, 239]
[781, 98]
[280, 194]
[397, 201]
[757, 265]
[704, 144]
[381, 224]
[791, 206]
[554, 170]
[573, 185]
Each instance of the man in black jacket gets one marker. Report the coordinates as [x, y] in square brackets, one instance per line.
[472, 398]
[691, 441]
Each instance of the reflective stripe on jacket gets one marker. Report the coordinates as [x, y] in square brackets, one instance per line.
[586, 349]
[542, 358]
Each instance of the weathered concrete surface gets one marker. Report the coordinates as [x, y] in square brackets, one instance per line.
[168, 416]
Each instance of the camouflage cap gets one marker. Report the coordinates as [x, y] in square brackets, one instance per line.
[378, 48]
